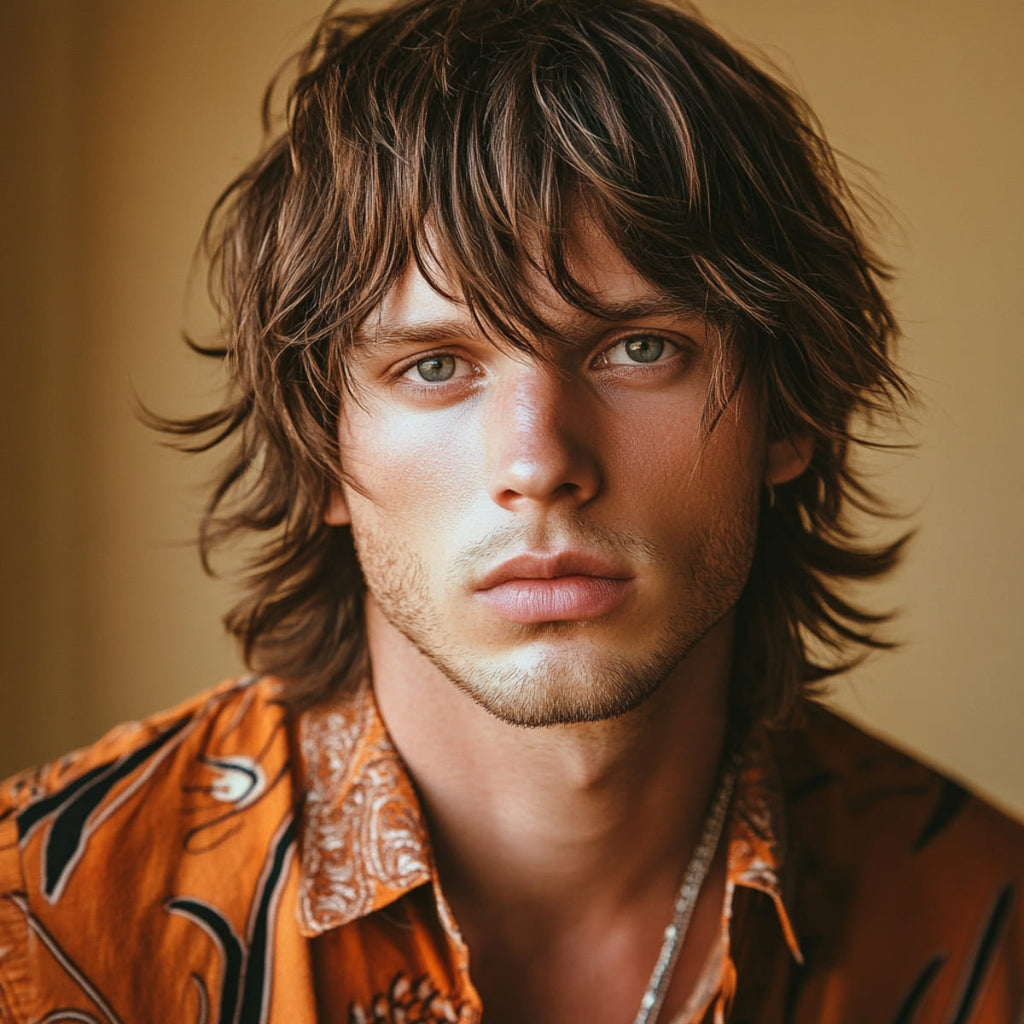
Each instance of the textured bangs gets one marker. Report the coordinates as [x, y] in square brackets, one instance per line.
[483, 160]
[473, 140]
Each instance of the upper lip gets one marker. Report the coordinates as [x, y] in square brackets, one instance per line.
[551, 565]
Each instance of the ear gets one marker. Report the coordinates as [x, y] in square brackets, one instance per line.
[787, 458]
[336, 510]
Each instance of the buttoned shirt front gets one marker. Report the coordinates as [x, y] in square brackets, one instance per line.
[229, 861]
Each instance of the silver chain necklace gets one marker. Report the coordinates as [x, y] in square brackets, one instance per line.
[686, 900]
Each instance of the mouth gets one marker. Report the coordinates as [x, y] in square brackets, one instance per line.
[558, 587]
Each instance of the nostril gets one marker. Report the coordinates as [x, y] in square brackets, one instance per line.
[552, 467]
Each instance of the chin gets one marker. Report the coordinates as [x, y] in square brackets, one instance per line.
[562, 689]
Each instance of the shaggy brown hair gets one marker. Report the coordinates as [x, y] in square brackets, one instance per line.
[494, 124]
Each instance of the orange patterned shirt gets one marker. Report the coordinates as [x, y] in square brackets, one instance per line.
[226, 862]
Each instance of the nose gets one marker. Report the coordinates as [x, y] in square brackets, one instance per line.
[541, 441]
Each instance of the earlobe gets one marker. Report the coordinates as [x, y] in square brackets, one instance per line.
[336, 510]
[787, 458]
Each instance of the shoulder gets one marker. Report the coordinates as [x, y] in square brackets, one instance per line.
[873, 790]
[244, 708]
[141, 760]
[900, 874]
[179, 803]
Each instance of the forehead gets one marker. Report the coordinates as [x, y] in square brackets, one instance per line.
[430, 300]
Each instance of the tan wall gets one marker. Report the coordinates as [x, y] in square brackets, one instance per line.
[122, 120]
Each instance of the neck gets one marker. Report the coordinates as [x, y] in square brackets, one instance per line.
[544, 822]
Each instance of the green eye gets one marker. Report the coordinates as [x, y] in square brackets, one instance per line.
[436, 369]
[644, 349]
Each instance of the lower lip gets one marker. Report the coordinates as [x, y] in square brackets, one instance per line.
[563, 599]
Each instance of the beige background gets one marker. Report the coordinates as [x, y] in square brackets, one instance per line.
[120, 123]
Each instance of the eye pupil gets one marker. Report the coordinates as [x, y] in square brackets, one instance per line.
[436, 368]
[645, 350]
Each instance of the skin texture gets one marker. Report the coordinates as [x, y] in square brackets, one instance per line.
[543, 748]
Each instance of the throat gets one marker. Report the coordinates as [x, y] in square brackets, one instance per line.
[598, 946]
[596, 968]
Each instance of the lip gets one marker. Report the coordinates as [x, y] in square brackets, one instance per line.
[557, 587]
[551, 565]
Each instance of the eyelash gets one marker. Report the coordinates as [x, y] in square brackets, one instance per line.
[672, 348]
[403, 372]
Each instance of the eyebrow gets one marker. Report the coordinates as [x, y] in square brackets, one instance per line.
[375, 335]
[383, 335]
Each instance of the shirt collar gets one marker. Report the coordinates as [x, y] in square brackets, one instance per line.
[364, 837]
[757, 833]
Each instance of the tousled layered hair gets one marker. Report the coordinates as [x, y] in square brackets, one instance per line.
[472, 135]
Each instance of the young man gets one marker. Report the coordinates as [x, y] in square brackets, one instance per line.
[547, 324]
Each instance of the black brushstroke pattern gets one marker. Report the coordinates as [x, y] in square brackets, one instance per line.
[65, 836]
[35, 812]
[908, 1008]
[986, 951]
[245, 982]
[256, 979]
[233, 811]
[811, 784]
[214, 923]
[220, 762]
[950, 803]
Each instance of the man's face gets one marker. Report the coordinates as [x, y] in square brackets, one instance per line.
[554, 536]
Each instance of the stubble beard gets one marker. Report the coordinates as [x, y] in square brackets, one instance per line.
[564, 685]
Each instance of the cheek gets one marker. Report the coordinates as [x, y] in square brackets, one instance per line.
[653, 451]
[410, 470]
[644, 440]
[680, 475]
